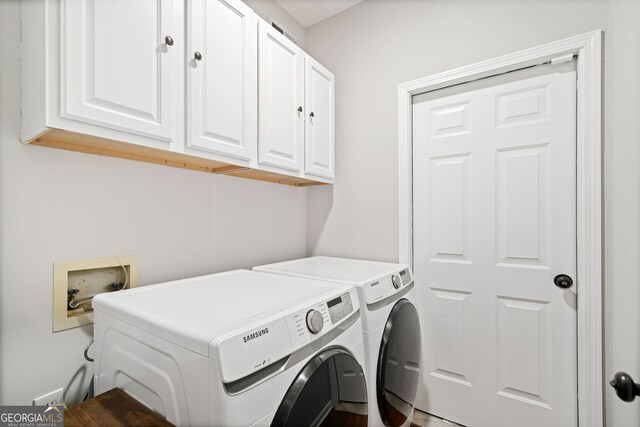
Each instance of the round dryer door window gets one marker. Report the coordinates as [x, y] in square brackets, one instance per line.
[399, 364]
[329, 391]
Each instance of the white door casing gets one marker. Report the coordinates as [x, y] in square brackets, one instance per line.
[118, 72]
[587, 48]
[222, 84]
[280, 100]
[494, 222]
[319, 122]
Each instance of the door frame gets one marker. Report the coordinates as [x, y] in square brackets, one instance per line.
[588, 49]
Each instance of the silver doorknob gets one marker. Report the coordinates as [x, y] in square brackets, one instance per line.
[315, 321]
[168, 41]
[197, 56]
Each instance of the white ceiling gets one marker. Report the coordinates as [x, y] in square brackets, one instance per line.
[310, 12]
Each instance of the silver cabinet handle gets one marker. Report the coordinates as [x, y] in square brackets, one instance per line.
[311, 114]
[168, 40]
[197, 56]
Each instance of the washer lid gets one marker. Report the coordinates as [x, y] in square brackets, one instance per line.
[192, 312]
[352, 271]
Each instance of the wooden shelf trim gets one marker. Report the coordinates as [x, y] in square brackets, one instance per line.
[71, 141]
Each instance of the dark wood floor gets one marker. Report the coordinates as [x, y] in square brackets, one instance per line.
[113, 408]
[422, 419]
[116, 408]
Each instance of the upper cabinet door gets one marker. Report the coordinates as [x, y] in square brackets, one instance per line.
[222, 78]
[319, 125]
[280, 100]
[121, 65]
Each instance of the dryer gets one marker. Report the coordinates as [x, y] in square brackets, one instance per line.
[240, 348]
[390, 325]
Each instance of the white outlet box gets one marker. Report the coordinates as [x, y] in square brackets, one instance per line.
[55, 397]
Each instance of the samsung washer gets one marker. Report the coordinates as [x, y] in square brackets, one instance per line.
[236, 349]
[390, 325]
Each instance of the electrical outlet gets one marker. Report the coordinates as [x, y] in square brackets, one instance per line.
[55, 397]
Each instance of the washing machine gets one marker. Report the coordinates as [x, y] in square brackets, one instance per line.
[390, 325]
[240, 348]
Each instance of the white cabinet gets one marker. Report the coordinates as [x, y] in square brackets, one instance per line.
[221, 76]
[280, 100]
[295, 109]
[117, 69]
[176, 82]
[123, 71]
[319, 122]
[104, 68]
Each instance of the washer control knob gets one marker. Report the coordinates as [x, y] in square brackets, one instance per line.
[396, 281]
[315, 321]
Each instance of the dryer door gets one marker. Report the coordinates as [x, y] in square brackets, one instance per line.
[399, 364]
[330, 390]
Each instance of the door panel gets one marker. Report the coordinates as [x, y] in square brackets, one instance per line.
[523, 350]
[451, 348]
[222, 84]
[450, 208]
[117, 70]
[494, 222]
[522, 194]
[319, 121]
[280, 95]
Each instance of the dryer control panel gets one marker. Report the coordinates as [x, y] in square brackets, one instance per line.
[388, 285]
[263, 344]
[332, 311]
[340, 307]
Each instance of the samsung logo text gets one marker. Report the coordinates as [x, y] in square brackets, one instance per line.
[256, 334]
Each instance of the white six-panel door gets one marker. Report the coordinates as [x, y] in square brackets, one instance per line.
[319, 121]
[280, 100]
[222, 83]
[117, 70]
[494, 222]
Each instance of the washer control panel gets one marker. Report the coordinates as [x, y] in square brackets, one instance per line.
[313, 321]
[340, 307]
[261, 344]
[396, 281]
[388, 285]
[405, 276]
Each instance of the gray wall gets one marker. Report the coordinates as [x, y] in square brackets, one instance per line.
[58, 205]
[376, 45]
[622, 205]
